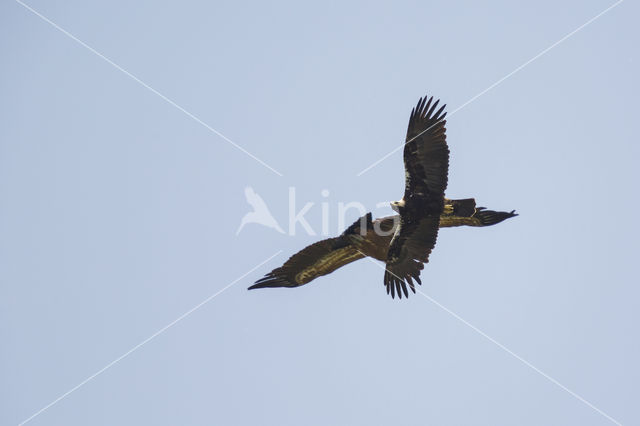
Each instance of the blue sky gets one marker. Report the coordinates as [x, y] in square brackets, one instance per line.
[120, 210]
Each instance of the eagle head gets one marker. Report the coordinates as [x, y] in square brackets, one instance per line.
[397, 205]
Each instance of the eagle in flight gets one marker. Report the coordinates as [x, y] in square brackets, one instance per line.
[403, 241]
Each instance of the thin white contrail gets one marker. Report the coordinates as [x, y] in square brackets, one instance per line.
[142, 83]
[503, 347]
[144, 342]
[495, 84]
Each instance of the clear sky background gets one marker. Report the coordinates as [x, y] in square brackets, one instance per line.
[119, 213]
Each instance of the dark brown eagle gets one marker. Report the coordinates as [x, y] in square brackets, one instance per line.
[403, 241]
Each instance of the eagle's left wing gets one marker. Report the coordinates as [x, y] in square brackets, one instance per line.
[320, 258]
[426, 161]
[409, 250]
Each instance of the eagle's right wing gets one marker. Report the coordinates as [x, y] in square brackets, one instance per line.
[426, 154]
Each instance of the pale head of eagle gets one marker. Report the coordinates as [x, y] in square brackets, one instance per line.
[397, 205]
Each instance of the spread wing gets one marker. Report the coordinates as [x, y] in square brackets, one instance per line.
[484, 217]
[465, 213]
[426, 161]
[426, 155]
[318, 259]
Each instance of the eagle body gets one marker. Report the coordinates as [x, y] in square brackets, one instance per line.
[403, 241]
[455, 213]
[367, 237]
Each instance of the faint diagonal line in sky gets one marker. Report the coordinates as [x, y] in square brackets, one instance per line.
[145, 85]
[503, 347]
[145, 341]
[494, 84]
[518, 357]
